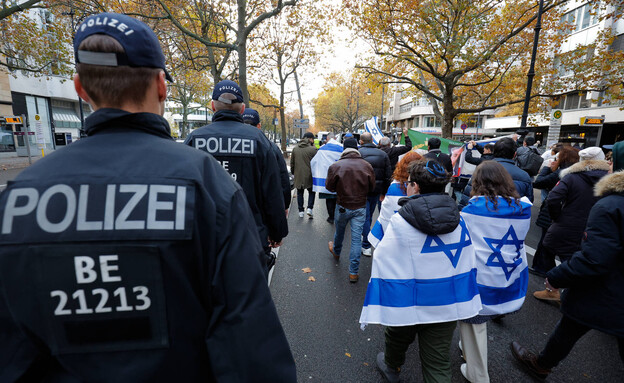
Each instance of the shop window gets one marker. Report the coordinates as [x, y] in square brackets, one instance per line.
[432, 122]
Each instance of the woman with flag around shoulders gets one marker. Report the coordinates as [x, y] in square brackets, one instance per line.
[423, 278]
[498, 222]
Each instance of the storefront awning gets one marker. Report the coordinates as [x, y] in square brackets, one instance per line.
[65, 118]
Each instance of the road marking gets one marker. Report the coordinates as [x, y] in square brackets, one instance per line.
[531, 251]
[2, 186]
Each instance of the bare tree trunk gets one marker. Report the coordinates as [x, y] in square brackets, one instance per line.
[242, 70]
[283, 118]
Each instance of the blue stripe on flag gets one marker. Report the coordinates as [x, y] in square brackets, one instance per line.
[318, 181]
[496, 295]
[395, 190]
[422, 292]
[377, 231]
[479, 206]
[332, 147]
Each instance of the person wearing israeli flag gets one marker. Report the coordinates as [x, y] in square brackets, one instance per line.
[423, 278]
[390, 203]
[324, 158]
[498, 222]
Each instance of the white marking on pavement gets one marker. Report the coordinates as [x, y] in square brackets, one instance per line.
[531, 251]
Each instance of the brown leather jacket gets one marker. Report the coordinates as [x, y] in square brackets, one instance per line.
[352, 178]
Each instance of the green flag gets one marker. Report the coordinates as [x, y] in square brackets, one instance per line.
[419, 140]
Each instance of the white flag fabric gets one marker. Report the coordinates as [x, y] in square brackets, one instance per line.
[498, 237]
[322, 160]
[372, 128]
[417, 278]
[389, 206]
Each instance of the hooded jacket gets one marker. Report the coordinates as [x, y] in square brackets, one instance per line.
[424, 268]
[142, 263]
[300, 159]
[569, 204]
[245, 152]
[352, 178]
[594, 277]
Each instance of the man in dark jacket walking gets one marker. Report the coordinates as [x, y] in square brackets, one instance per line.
[435, 153]
[141, 262]
[300, 159]
[246, 154]
[351, 178]
[394, 152]
[380, 162]
[593, 280]
[252, 117]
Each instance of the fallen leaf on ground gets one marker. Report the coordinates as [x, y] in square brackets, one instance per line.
[312, 279]
[366, 364]
[306, 270]
[347, 354]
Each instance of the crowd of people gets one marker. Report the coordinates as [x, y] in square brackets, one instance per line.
[147, 260]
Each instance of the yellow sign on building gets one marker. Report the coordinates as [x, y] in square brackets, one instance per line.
[591, 121]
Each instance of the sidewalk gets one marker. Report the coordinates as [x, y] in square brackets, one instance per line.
[7, 163]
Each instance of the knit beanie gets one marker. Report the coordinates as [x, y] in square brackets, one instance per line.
[591, 153]
[618, 156]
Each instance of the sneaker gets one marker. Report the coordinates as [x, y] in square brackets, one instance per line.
[391, 374]
[462, 369]
[529, 361]
[301, 214]
[353, 278]
[546, 295]
[310, 214]
[331, 250]
[368, 252]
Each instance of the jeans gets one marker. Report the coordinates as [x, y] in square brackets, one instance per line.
[371, 204]
[434, 343]
[342, 216]
[562, 341]
[311, 196]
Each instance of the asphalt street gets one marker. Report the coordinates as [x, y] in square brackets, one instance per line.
[320, 318]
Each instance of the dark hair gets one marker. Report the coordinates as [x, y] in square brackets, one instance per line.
[529, 140]
[489, 147]
[429, 175]
[567, 157]
[491, 180]
[401, 172]
[113, 86]
[505, 148]
[434, 143]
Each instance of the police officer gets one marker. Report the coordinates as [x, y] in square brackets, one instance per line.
[127, 257]
[247, 155]
[252, 117]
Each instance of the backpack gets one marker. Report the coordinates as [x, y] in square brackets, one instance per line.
[533, 162]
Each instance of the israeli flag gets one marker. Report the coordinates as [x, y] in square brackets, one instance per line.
[498, 237]
[322, 160]
[372, 128]
[418, 278]
[389, 206]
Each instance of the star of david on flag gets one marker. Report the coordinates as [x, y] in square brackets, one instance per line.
[447, 249]
[496, 258]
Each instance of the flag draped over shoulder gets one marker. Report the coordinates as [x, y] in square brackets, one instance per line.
[460, 166]
[416, 278]
[498, 237]
[372, 127]
[324, 158]
[389, 206]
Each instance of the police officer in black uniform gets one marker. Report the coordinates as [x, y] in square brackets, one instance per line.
[252, 117]
[246, 154]
[127, 257]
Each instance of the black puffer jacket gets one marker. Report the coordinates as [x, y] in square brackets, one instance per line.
[432, 214]
[380, 162]
[569, 204]
[594, 276]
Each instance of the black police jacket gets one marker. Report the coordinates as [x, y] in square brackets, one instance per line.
[127, 257]
[245, 152]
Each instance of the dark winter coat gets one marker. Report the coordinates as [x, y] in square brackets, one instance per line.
[546, 180]
[300, 159]
[394, 152]
[594, 276]
[380, 162]
[433, 214]
[442, 158]
[476, 161]
[156, 251]
[351, 178]
[569, 204]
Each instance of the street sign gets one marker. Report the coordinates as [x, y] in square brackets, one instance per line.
[592, 121]
[13, 119]
[463, 126]
[275, 121]
[302, 123]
